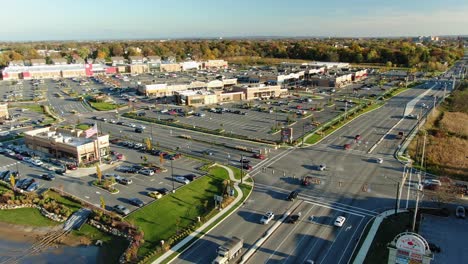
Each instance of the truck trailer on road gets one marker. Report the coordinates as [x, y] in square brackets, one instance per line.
[229, 250]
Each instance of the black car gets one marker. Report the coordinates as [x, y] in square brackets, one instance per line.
[190, 177]
[293, 195]
[61, 171]
[138, 130]
[48, 177]
[162, 191]
[294, 218]
[244, 160]
[136, 202]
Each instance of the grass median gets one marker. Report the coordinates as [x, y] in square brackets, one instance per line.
[173, 213]
[103, 106]
[316, 137]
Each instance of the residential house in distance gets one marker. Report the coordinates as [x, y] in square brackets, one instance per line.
[154, 62]
[120, 63]
[4, 111]
[59, 61]
[16, 63]
[136, 65]
[38, 62]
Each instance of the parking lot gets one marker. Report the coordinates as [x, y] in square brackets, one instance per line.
[448, 233]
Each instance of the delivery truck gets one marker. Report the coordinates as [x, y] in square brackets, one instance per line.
[229, 250]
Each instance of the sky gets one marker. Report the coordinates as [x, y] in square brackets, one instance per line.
[24, 20]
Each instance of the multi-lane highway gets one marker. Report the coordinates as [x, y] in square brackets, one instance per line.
[354, 185]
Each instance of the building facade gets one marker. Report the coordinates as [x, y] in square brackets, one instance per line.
[67, 144]
[4, 112]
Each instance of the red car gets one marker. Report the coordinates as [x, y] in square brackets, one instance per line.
[357, 137]
[298, 107]
[72, 167]
[347, 146]
[259, 156]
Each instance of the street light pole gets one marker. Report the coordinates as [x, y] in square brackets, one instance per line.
[396, 198]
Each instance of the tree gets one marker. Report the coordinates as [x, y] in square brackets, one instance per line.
[13, 182]
[148, 143]
[103, 203]
[98, 173]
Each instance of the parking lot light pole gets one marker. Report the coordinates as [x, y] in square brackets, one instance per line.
[172, 176]
[242, 168]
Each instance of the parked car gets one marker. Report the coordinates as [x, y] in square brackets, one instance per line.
[138, 130]
[266, 218]
[155, 194]
[136, 202]
[339, 221]
[460, 212]
[379, 160]
[181, 180]
[48, 177]
[72, 167]
[293, 195]
[190, 177]
[147, 172]
[162, 191]
[25, 184]
[120, 209]
[347, 146]
[123, 180]
[32, 187]
[357, 137]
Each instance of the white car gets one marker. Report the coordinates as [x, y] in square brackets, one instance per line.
[181, 180]
[322, 167]
[37, 162]
[266, 218]
[340, 221]
[379, 160]
[146, 172]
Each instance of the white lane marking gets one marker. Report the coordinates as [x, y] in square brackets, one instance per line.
[333, 243]
[87, 197]
[300, 241]
[350, 240]
[319, 236]
[335, 208]
[284, 240]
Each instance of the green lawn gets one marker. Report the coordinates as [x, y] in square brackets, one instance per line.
[34, 107]
[83, 126]
[103, 106]
[390, 227]
[74, 206]
[159, 219]
[25, 216]
[112, 248]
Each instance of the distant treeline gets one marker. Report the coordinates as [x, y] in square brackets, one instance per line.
[388, 52]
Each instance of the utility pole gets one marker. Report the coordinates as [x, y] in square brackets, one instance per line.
[417, 202]
[303, 134]
[423, 150]
[396, 198]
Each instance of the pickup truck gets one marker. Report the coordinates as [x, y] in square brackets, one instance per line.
[229, 250]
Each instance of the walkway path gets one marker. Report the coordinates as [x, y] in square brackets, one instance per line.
[201, 232]
[361, 256]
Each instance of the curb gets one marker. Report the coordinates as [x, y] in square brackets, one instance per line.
[201, 232]
[361, 256]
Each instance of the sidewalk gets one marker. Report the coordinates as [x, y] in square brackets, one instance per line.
[361, 256]
[201, 232]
